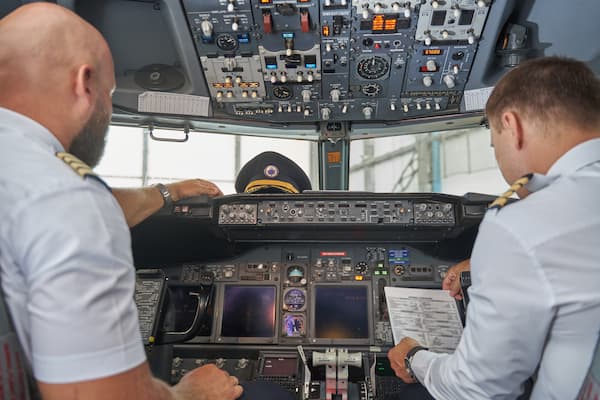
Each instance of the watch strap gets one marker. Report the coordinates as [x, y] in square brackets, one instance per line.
[408, 360]
[165, 193]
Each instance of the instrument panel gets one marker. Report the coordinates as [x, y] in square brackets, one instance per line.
[335, 60]
[297, 294]
[282, 287]
[273, 298]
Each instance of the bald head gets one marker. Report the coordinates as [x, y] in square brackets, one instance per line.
[54, 68]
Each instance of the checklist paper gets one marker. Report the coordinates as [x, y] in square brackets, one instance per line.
[430, 316]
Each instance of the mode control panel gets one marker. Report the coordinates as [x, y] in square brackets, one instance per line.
[369, 212]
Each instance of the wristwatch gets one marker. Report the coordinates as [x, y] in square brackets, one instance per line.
[408, 360]
[166, 195]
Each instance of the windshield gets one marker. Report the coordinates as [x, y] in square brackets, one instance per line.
[453, 162]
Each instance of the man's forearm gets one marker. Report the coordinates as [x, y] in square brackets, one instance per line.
[138, 204]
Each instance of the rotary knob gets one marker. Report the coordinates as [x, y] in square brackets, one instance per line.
[367, 112]
[427, 81]
[325, 113]
[365, 11]
[207, 28]
[449, 80]
[431, 66]
[335, 95]
[305, 95]
[427, 39]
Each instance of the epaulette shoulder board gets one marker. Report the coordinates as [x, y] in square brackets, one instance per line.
[80, 168]
[504, 197]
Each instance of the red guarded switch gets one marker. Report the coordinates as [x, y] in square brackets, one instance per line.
[267, 23]
[305, 21]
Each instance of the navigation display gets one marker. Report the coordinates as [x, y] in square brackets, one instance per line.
[341, 312]
[248, 311]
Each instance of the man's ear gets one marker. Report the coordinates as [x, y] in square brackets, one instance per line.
[511, 121]
[84, 87]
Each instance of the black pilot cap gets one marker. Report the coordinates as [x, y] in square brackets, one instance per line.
[271, 172]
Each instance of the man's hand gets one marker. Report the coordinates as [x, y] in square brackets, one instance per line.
[193, 187]
[207, 383]
[397, 356]
[452, 280]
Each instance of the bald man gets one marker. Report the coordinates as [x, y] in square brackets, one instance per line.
[67, 270]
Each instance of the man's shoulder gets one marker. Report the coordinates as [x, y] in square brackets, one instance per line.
[545, 213]
[34, 176]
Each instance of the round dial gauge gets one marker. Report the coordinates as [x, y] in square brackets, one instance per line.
[226, 41]
[371, 89]
[282, 92]
[294, 299]
[373, 67]
[295, 273]
[293, 325]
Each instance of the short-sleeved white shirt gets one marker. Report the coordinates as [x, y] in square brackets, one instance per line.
[65, 253]
[535, 298]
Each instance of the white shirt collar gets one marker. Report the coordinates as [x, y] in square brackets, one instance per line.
[32, 130]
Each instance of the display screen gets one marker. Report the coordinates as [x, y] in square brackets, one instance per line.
[341, 312]
[433, 52]
[280, 366]
[248, 311]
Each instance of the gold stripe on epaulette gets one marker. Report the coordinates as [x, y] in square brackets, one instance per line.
[503, 198]
[81, 168]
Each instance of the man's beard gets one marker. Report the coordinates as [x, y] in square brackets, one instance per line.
[89, 143]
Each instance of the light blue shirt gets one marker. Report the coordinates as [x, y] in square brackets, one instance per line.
[65, 253]
[535, 294]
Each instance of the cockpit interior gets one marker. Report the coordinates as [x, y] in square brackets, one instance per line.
[290, 288]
